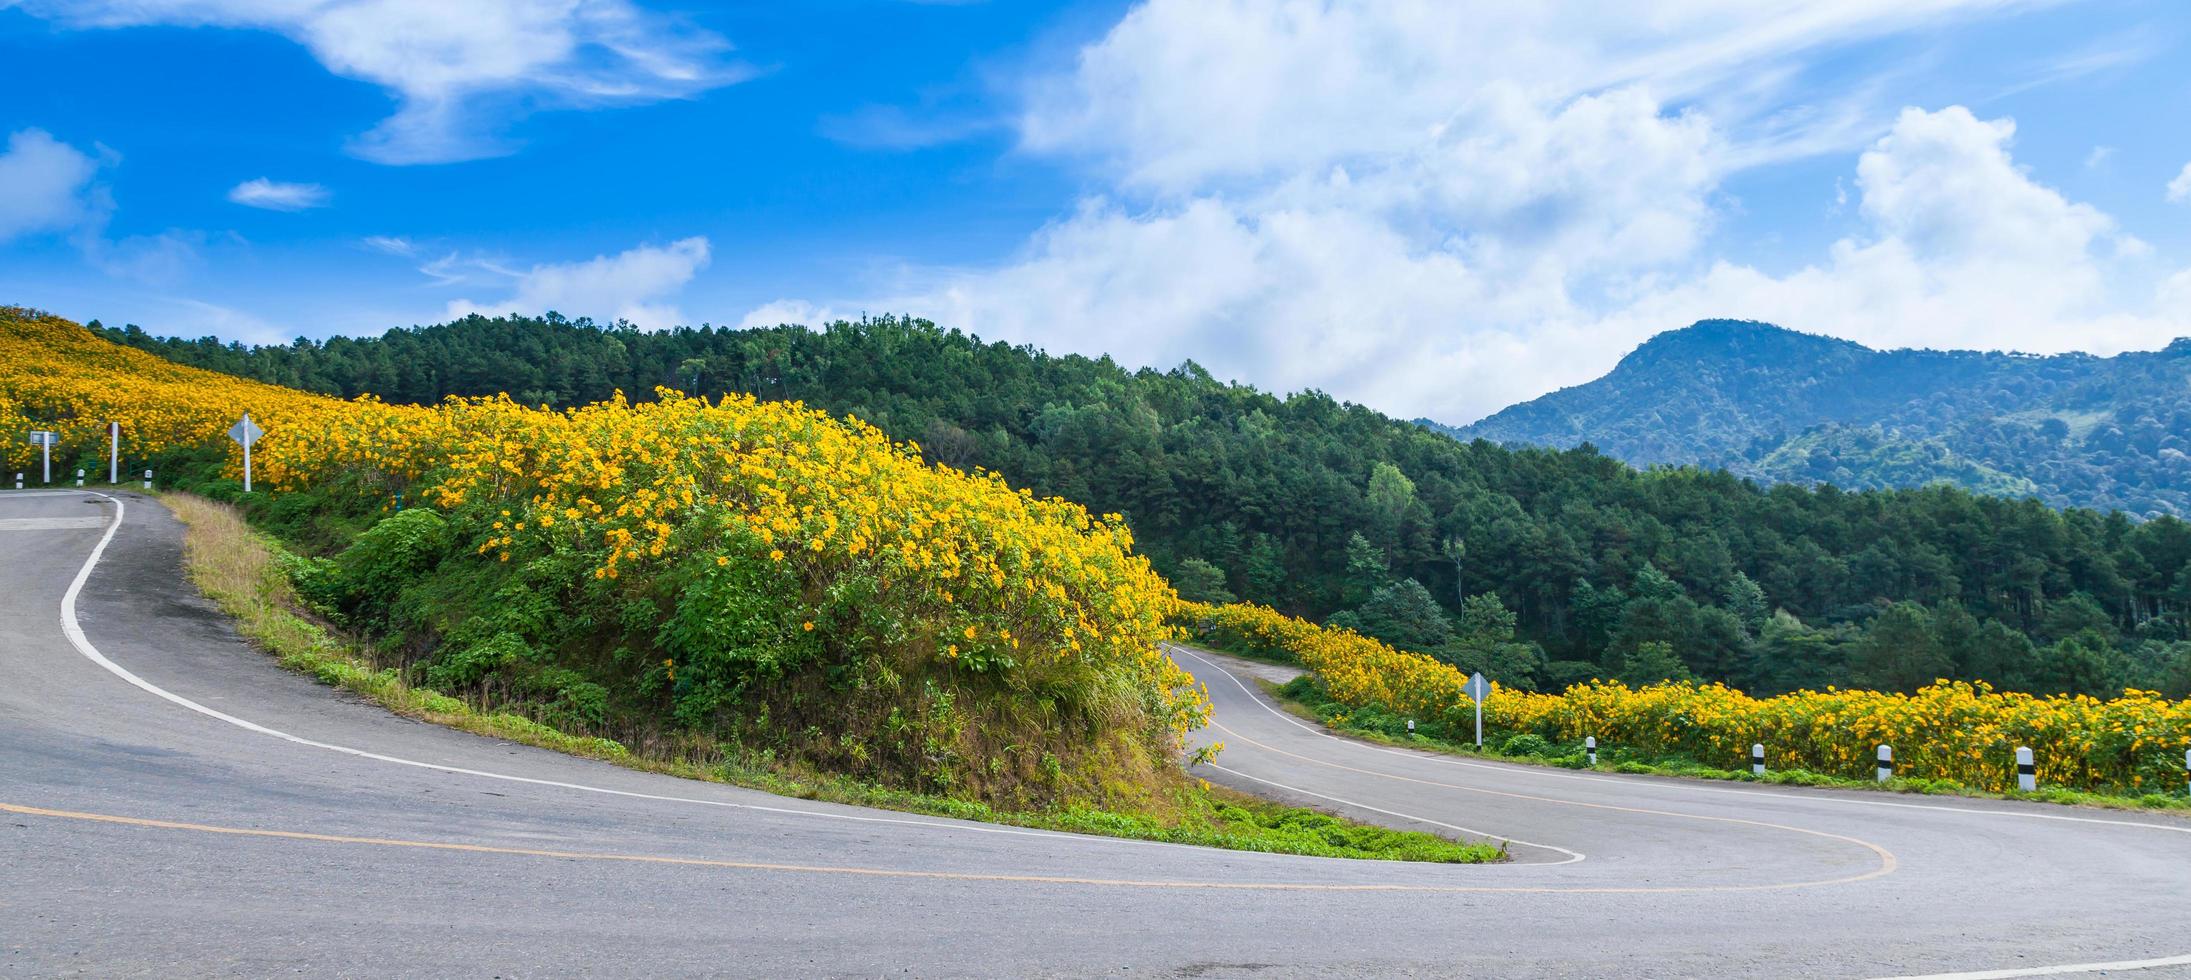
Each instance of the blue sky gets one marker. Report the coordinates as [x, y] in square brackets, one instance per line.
[1434, 208]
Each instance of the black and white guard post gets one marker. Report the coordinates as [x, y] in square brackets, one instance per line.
[1886, 763]
[1590, 751]
[18, 480]
[245, 433]
[148, 479]
[79, 478]
[1478, 688]
[1757, 758]
[2027, 772]
[1411, 726]
[44, 440]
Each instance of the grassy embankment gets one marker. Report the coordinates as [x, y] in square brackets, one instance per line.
[243, 570]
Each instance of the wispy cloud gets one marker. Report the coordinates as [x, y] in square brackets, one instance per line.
[272, 195]
[2179, 189]
[459, 71]
[637, 284]
[390, 245]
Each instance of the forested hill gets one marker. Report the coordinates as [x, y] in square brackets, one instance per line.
[1571, 563]
[1763, 401]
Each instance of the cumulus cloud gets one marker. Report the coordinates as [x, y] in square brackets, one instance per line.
[635, 285]
[45, 186]
[1441, 209]
[1963, 249]
[274, 195]
[458, 70]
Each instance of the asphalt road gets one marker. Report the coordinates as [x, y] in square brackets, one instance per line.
[172, 803]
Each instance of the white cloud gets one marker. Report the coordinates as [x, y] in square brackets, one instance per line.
[390, 245]
[1441, 209]
[45, 185]
[632, 285]
[1965, 250]
[271, 195]
[786, 311]
[1180, 92]
[2179, 188]
[458, 70]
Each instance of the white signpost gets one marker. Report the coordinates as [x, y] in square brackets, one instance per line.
[44, 440]
[245, 433]
[1478, 688]
[114, 452]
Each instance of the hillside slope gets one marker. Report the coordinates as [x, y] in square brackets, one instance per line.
[1538, 566]
[1771, 403]
[736, 577]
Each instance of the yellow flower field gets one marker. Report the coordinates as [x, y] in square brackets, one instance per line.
[1957, 731]
[958, 567]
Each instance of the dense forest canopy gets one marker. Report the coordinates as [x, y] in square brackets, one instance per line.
[1763, 401]
[1539, 566]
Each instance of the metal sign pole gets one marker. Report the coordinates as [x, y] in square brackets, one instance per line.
[45, 451]
[114, 452]
[1478, 688]
[245, 433]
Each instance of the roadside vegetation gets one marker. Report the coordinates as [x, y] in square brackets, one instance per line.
[1948, 737]
[1540, 568]
[730, 589]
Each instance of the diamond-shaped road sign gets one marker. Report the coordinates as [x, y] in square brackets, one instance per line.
[245, 432]
[1478, 687]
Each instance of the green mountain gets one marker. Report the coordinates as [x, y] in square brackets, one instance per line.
[1771, 403]
[1537, 566]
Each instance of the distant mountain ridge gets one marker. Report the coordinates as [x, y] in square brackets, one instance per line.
[1779, 405]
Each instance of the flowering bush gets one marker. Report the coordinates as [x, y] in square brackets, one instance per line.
[1956, 731]
[746, 543]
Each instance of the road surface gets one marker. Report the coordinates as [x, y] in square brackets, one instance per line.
[172, 803]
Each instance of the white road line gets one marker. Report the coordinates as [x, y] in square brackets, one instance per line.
[2053, 971]
[2066, 969]
[75, 632]
[1672, 785]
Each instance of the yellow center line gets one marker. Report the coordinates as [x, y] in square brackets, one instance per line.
[1887, 861]
[293, 835]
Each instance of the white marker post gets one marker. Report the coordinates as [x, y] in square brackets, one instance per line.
[148, 479]
[1590, 751]
[2027, 773]
[1757, 758]
[43, 439]
[1411, 726]
[18, 481]
[1478, 688]
[245, 433]
[1886, 763]
[79, 478]
[114, 452]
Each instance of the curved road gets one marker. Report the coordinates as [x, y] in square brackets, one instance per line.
[172, 802]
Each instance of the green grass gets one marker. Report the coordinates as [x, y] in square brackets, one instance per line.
[241, 570]
[1304, 697]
